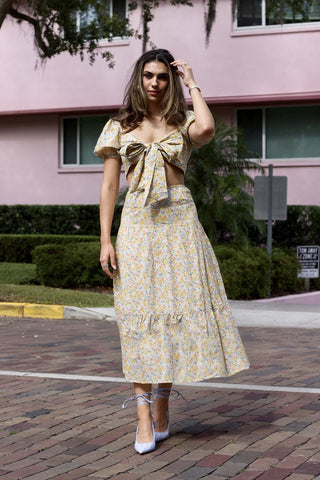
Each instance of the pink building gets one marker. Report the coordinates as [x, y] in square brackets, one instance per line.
[256, 71]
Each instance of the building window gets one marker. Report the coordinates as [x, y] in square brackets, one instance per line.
[281, 132]
[253, 13]
[250, 124]
[105, 8]
[79, 137]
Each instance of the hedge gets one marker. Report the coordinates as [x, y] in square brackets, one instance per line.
[18, 248]
[54, 219]
[284, 272]
[301, 228]
[70, 266]
[245, 272]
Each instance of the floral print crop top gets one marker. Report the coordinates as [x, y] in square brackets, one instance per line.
[149, 174]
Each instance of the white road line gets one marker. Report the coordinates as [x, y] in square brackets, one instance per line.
[59, 376]
[265, 388]
[213, 385]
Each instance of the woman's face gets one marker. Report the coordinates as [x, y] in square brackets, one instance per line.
[155, 80]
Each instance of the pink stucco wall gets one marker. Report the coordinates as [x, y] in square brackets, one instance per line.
[235, 65]
[29, 173]
[236, 68]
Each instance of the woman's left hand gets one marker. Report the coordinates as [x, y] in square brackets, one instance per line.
[186, 73]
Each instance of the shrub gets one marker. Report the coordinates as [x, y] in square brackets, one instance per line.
[50, 219]
[284, 272]
[302, 227]
[218, 177]
[244, 272]
[73, 265]
[18, 248]
[53, 219]
[315, 283]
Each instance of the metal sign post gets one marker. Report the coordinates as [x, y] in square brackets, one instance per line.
[270, 194]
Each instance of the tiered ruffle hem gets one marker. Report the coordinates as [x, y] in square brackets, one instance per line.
[173, 315]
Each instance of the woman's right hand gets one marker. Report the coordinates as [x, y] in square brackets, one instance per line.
[186, 73]
[107, 258]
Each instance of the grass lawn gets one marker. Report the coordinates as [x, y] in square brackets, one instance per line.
[17, 273]
[15, 279]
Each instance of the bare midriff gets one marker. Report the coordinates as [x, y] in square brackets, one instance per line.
[174, 175]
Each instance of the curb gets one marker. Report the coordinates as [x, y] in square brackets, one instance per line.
[57, 312]
[246, 314]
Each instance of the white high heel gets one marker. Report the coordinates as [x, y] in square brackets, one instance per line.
[145, 447]
[164, 392]
[143, 399]
[159, 436]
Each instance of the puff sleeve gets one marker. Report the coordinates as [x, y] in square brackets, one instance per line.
[185, 130]
[109, 142]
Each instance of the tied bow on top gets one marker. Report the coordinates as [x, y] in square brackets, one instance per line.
[149, 175]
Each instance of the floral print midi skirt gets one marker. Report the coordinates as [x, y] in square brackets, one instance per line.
[173, 315]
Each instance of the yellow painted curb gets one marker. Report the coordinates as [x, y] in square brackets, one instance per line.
[8, 309]
[43, 311]
[11, 309]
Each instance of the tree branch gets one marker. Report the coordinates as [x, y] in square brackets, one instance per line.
[209, 17]
[5, 6]
[37, 29]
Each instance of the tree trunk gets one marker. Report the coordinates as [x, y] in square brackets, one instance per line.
[5, 6]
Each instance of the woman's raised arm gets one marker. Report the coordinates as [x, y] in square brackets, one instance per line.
[201, 130]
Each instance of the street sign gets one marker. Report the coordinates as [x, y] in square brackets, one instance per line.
[308, 257]
[262, 201]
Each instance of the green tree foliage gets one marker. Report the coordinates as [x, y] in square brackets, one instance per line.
[77, 26]
[218, 177]
[302, 227]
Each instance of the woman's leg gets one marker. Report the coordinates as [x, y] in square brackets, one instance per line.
[144, 414]
[161, 408]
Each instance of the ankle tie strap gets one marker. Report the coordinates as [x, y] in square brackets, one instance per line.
[142, 399]
[164, 392]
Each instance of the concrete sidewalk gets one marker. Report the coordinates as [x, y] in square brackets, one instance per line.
[258, 314]
[295, 311]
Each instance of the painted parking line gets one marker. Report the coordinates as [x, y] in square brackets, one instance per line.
[213, 385]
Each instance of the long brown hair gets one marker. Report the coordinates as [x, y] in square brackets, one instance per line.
[136, 100]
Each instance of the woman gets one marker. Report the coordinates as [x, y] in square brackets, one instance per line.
[174, 320]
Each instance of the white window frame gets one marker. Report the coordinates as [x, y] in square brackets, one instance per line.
[78, 165]
[263, 159]
[264, 26]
